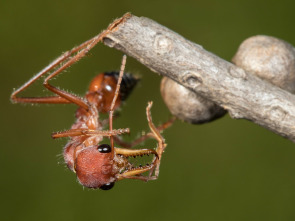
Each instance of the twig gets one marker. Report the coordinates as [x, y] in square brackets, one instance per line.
[241, 93]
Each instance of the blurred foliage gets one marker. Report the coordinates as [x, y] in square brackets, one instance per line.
[225, 170]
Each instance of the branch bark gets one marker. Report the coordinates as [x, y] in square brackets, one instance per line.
[241, 93]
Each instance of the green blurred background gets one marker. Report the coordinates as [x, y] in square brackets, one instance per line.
[225, 170]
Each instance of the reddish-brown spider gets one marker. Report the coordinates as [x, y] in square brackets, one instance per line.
[98, 165]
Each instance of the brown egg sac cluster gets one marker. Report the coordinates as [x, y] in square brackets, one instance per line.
[267, 57]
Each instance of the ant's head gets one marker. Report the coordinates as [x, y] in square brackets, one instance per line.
[101, 166]
[102, 89]
[94, 167]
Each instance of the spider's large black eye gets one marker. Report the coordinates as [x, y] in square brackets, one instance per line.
[107, 186]
[104, 148]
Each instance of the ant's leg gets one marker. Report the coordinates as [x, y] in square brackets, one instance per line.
[141, 139]
[43, 100]
[53, 99]
[81, 50]
[161, 141]
[154, 167]
[109, 133]
[77, 57]
[123, 63]
[87, 132]
[68, 96]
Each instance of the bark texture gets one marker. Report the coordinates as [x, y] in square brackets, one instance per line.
[243, 94]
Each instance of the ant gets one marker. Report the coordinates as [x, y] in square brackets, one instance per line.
[99, 165]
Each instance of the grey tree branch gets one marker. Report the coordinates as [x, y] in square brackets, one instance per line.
[241, 93]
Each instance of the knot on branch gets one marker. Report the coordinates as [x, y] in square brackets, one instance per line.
[163, 44]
